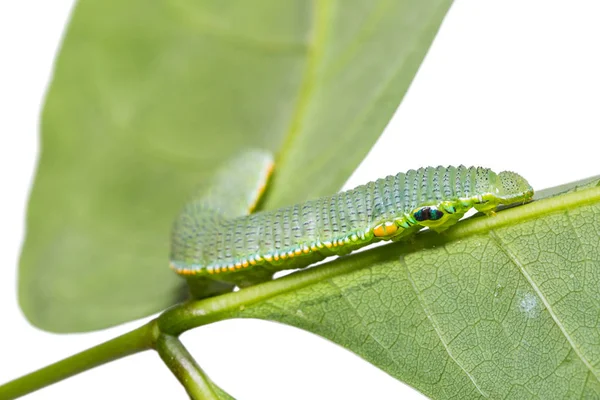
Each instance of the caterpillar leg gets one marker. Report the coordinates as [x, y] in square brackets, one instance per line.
[488, 207]
[407, 233]
[452, 219]
[257, 276]
[202, 287]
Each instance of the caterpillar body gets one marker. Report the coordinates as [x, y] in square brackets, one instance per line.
[217, 245]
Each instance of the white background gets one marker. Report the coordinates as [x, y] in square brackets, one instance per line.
[507, 84]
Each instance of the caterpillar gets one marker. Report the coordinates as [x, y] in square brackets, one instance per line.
[217, 244]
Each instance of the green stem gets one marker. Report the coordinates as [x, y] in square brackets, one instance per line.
[138, 340]
[185, 368]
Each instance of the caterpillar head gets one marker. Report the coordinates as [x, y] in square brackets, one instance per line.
[512, 188]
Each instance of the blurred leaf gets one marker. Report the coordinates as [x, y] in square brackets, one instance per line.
[148, 97]
[496, 307]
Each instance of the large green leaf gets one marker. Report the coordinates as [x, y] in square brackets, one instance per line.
[496, 307]
[148, 97]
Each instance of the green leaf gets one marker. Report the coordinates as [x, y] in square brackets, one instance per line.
[496, 307]
[148, 97]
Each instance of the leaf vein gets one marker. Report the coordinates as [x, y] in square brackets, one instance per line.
[515, 260]
[436, 329]
[365, 329]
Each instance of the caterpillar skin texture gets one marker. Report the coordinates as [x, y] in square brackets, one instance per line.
[216, 245]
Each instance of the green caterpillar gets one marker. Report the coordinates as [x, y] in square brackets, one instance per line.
[217, 245]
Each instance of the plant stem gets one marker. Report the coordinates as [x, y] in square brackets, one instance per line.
[185, 368]
[138, 340]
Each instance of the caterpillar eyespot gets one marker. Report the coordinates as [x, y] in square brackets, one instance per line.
[216, 245]
[428, 213]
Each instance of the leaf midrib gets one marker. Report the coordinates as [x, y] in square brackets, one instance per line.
[321, 17]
